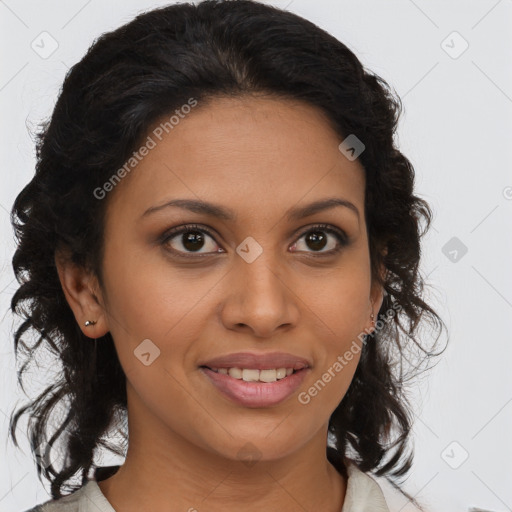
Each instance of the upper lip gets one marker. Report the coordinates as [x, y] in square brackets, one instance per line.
[257, 361]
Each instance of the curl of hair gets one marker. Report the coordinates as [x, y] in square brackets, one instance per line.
[127, 81]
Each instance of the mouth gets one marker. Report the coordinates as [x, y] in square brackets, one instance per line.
[254, 388]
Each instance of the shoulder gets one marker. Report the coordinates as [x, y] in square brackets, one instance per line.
[68, 503]
[363, 492]
[88, 498]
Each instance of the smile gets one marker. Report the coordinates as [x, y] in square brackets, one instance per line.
[256, 388]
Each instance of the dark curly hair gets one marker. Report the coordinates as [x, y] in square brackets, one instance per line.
[128, 79]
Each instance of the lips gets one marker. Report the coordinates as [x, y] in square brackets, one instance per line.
[262, 361]
[256, 394]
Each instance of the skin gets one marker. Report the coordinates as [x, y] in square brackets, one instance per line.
[259, 157]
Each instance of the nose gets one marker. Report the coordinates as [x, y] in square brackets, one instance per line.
[260, 300]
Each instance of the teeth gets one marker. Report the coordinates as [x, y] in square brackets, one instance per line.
[252, 375]
[236, 373]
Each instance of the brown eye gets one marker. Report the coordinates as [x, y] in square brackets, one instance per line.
[316, 239]
[190, 239]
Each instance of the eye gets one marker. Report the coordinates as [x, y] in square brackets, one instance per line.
[193, 240]
[315, 239]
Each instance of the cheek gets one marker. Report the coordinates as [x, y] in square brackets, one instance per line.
[342, 312]
[341, 300]
[323, 393]
[148, 294]
[149, 299]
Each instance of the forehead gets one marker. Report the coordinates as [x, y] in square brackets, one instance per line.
[251, 153]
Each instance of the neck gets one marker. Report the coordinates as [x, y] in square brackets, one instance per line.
[163, 468]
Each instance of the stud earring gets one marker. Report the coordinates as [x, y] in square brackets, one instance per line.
[89, 322]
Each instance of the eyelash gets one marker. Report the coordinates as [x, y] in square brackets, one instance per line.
[340, 236]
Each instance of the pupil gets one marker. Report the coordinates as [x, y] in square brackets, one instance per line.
[318, 240]
[192, 237]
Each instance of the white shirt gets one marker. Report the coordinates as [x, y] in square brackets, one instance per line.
[363, 495]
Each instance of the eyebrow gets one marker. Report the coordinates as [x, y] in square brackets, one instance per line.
[220, 212]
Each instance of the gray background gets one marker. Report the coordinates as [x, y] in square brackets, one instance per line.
[456, 130]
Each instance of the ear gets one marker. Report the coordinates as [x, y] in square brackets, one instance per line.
[83, 294]
[377, 294]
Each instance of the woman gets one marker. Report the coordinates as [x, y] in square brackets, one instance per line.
[221, 246]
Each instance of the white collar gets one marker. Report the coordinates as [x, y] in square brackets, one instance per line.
[363, 493]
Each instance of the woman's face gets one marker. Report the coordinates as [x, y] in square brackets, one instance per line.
[259, 280]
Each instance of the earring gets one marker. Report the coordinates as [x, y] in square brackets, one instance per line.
[372, 316]
[89, 322]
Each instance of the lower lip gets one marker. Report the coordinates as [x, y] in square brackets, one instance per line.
[256, 394]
